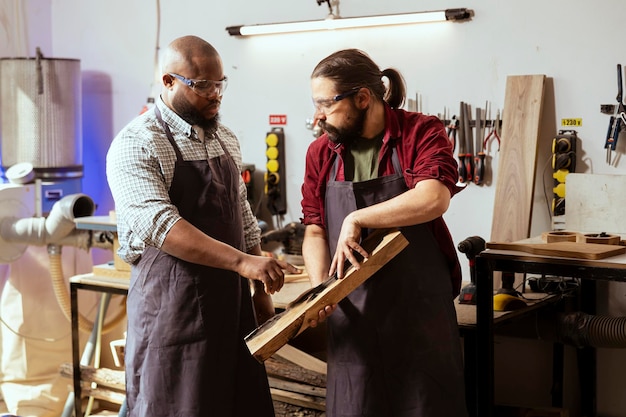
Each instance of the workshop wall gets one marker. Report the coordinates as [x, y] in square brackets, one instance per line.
[574, 43]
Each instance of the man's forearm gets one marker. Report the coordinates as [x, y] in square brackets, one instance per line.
[315, 254]
[188, 243]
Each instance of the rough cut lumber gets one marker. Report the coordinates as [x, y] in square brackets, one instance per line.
[515, 182]
[264, 341]
[284, 369]
[307, 401]
[101, 376]
[104, 394]
[297, 387]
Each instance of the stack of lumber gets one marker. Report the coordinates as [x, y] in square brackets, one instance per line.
[100, 383]
[297, 382]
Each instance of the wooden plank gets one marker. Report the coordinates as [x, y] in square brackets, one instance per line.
[563, 249]
[264, 341]
[515, 180]
[105, 395]
[302, 359]
[290, 291]
[307, 401]
[297, 387]
[102, 376]
[284, 369]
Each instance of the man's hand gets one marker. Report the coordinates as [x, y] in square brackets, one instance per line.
[347, 244]
[322, 315]
[271, 272]
[263, 304]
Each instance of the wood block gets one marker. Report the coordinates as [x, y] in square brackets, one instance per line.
[562, 236]
[264, 341]
[108, 270]
[602, 238]
[120, 265]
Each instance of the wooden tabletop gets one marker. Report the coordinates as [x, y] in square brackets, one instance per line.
[101, 281]
[617, 261]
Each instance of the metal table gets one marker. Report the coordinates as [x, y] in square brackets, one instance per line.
[589, 271]
[92, 282]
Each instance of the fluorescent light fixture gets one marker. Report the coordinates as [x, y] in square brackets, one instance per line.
[351, 22]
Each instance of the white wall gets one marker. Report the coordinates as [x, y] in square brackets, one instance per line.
[574, 42]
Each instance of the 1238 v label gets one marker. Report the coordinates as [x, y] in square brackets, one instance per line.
[571, 122]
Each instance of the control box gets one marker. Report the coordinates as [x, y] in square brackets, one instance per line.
[275, 178]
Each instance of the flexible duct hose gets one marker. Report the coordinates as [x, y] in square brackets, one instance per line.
[62, 294]
[56, 230]
[581, 329]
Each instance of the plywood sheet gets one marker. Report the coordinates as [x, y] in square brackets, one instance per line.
[595, 203]
[515, 180]
[264, 341]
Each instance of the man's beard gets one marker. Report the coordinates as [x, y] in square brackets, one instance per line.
[347, 134]
[191, 115]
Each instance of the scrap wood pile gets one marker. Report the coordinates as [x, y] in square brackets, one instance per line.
[108, 384]
[296, 390]
[297, 383]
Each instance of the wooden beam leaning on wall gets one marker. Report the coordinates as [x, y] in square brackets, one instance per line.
[515, 182]
[521, 118]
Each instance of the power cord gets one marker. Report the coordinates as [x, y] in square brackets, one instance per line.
[553, 284]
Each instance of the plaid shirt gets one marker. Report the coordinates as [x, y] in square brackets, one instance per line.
[140, 167]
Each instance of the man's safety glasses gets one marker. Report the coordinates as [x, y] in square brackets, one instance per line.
[204, 88]
[325, 104]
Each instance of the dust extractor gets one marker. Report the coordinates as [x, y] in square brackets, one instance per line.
[40, 197]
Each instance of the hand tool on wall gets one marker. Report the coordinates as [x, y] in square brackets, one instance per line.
[479, 159]
[494, 132]
[617, 121]
[452, 128]
[469, 143]
[462, 172]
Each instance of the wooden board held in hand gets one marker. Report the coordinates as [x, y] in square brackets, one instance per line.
[563, 249]
[265, 340]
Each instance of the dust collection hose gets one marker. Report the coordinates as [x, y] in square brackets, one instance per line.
[581, 330]
[56, 230]
[62, 295]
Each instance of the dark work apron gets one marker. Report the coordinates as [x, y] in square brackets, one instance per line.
[393, 343]
[185, 353]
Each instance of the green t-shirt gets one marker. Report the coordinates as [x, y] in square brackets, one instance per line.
[361, 162]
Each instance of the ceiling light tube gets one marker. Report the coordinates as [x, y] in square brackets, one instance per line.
[351, 22]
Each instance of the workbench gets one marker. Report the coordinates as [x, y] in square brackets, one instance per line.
[107, 280]
[589, 271]
[91, 282]
[477, 339]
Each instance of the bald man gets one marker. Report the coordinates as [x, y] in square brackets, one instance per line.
[186, 228]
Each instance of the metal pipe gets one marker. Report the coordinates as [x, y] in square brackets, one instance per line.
[59, 226]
